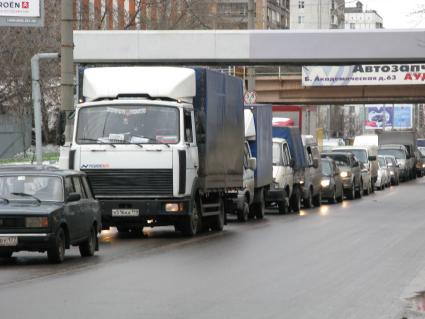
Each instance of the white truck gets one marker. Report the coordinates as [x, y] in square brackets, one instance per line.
[258, 163]
[160, 145]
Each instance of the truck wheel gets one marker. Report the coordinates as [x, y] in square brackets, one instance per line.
[193, 223]
[88, 248]
[283, 207]
[260, 208]
[317, 200]
[217, 223]
[296, 201]
[308, 200]
[56, 254]
[243, 214]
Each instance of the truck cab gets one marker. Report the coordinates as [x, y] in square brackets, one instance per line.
[283, 176]
[142, 139]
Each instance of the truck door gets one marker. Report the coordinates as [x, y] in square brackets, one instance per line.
[192, 161]
[288, 171]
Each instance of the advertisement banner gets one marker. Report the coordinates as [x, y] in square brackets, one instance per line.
[359, 75]
[20, 8]
[397, 116]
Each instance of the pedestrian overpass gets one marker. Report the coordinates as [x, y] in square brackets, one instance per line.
[270, 47]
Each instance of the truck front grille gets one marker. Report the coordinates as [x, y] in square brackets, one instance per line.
[131, 183]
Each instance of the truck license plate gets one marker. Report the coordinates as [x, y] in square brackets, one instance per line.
[125, 212]
[8, 241]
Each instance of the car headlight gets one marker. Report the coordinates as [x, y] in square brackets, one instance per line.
[344, 174]
[36, 222]
[325, 182]
[423, 165]
[391, 173]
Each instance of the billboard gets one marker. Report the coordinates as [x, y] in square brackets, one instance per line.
[359, 75]
[22, 13]
[389, 116]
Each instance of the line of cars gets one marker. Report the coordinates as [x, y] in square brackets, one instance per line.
[159, 146]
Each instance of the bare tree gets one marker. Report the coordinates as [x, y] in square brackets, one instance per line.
[18, 46]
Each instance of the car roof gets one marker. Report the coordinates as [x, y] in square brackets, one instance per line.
[37, 170]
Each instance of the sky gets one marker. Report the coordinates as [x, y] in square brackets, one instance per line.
[396, 13]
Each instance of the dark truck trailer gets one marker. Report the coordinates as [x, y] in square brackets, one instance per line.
[219, 119]
[261, 146]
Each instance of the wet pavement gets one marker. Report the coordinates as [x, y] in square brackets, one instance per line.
[350, 260]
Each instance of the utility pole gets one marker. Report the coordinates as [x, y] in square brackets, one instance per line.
[67, 65]
[251, 26]
[36, 99]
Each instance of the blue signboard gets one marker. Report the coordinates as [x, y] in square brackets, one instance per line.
[389, 116]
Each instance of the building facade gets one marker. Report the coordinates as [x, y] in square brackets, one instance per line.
[358, 18]
[317, 14]
[233, 14]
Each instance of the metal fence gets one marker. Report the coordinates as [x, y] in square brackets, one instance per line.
[15, 135]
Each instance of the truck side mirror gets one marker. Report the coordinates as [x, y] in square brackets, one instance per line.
[74, 197]
[292, 163]
[252, 163]
[316, 163]
[356, 164]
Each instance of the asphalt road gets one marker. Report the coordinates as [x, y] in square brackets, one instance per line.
[354, 260]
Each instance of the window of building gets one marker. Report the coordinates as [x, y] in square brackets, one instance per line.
[300, 19]
[301, 4]
[352, 26]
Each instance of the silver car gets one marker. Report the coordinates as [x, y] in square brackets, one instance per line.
[393, 168]
[383, 174]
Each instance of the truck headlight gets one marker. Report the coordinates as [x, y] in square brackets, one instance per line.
[325, 182]
[36, 222]
[344, 174]
[174, 207]
[423, 165]
[391, 173]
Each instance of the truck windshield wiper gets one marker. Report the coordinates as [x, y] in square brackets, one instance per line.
[27, 195]
[97, 141]
[4, 199]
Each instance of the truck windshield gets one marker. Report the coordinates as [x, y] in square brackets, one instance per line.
[326, 168]
[361, 155]
[397, 153]
[128, 124]
[277, 154]
[340, 160]
[43, 188]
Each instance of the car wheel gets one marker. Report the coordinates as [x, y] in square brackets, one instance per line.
[333, 199]
[56, 254]
[88, 248]
[6, 254]
[243, 213]
[352, 193]
[308, 201]
[340, 198]
[218, 221]
[317, 200]
[359, 193]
